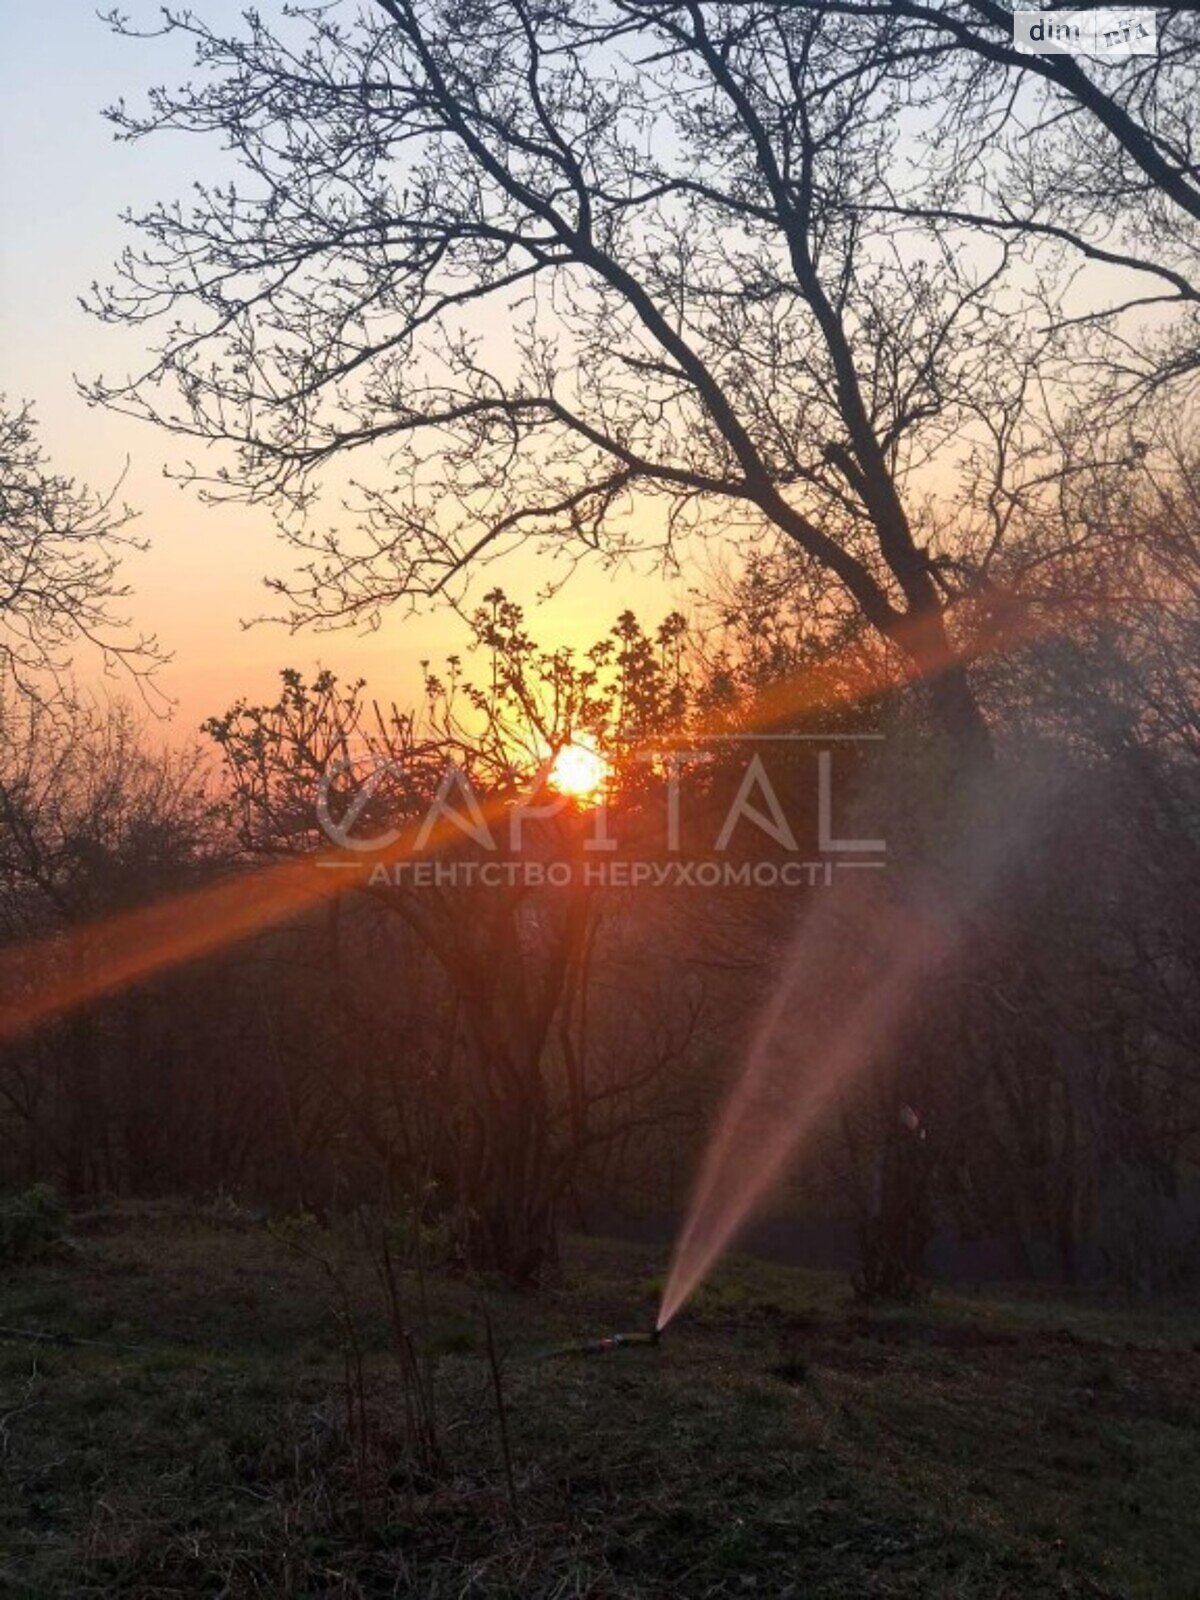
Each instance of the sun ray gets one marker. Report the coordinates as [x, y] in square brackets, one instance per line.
[44, 978]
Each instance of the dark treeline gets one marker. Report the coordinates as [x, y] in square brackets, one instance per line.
[510, 1060]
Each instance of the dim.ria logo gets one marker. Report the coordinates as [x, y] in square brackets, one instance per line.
[1119, 32]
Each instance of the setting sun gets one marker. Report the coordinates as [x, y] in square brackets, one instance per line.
[579, 770]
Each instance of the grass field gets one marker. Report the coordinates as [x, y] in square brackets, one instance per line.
[184, 1426]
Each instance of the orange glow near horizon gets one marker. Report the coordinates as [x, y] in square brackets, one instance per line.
[49, 976]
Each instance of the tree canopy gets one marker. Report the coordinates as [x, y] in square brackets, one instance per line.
[601, 274]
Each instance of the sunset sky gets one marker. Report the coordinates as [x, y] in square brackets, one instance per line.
[64, 180]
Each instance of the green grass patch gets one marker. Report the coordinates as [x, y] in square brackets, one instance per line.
[174, 1421]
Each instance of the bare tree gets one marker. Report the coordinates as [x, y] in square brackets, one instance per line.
[557, 267]
[91, 823]
[543, 1038]
[1091, 167]
[60, 551]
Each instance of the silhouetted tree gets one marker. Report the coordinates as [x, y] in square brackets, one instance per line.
[532, 1061]
[554, 263]
[60, 552]
[92, 822]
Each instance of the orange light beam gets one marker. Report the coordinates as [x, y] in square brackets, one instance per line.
[84, 963]
[56, 974]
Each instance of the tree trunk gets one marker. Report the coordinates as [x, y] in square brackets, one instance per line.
[956, 709]
[952, 699]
